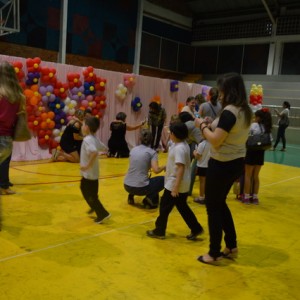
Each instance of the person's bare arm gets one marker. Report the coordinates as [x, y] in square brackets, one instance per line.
[156, 168]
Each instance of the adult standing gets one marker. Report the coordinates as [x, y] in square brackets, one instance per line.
[212, 107]
[156, 120]
[12, 100]
[190, 106]
[142, 159]
[227, 135]
[283, 124]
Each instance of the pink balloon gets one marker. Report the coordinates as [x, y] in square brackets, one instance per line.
[84, 103]
[89, 98]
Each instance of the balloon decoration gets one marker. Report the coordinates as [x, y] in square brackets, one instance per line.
[18, 66]
[136, 104]
[77, 93]
[89, 88]
[70, 106]
[48, 76]
[51, 103]
[205, 90]
[180, 107]
[89, 75]
[129, 80]
[33, 69]
[155, 99]
[174, 86]
[61, 90]
[74, 80]
[47, 93]
[256, 97]
[33, 65]
[121, 91]
[33, 78]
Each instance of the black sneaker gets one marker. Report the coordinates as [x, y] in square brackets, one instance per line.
[148, 203]
[151, 234]
[130, 199]
[193, 236]
[100, 220]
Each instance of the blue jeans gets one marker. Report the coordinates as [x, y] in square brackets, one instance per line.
[5, 157]
[156, 184]
[6, 144]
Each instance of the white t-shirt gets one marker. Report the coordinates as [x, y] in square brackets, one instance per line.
[188, 109]
[90, 144]
[204, 150]
[178, 153]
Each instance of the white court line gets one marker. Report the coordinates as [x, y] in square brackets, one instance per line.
[278, 182]
[105, 232]
[70, 242]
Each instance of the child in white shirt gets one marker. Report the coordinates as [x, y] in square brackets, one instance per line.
[202, 154]
[89, 168]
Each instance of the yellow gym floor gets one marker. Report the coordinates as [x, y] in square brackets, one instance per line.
[52, 249]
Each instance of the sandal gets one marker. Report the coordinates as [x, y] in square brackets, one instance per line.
[6, 191]
[230, 253]
[207, 259]
[55, 154]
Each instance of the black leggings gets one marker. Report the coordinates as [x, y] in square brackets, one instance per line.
[220, 177]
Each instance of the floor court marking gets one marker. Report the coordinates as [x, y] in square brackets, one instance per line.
[282, 181]
[72, 241]
[105, 232]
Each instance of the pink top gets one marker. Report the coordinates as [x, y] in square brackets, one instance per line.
[8, 117]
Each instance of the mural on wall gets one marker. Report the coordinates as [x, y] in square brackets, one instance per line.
[99, 29]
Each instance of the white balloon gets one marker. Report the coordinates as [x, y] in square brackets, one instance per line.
[57, 139]
[56, 132]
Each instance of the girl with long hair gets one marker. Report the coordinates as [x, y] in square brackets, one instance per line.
[254, 159]
[12, 100]
[227, 135]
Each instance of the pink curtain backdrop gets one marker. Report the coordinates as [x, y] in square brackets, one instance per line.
[145, 88]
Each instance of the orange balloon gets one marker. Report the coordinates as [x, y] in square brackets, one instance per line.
[34, 100]
[28, 93]
[44, 116]
[35, 87]
[43, 125]
[51, 124]
[51, 115]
